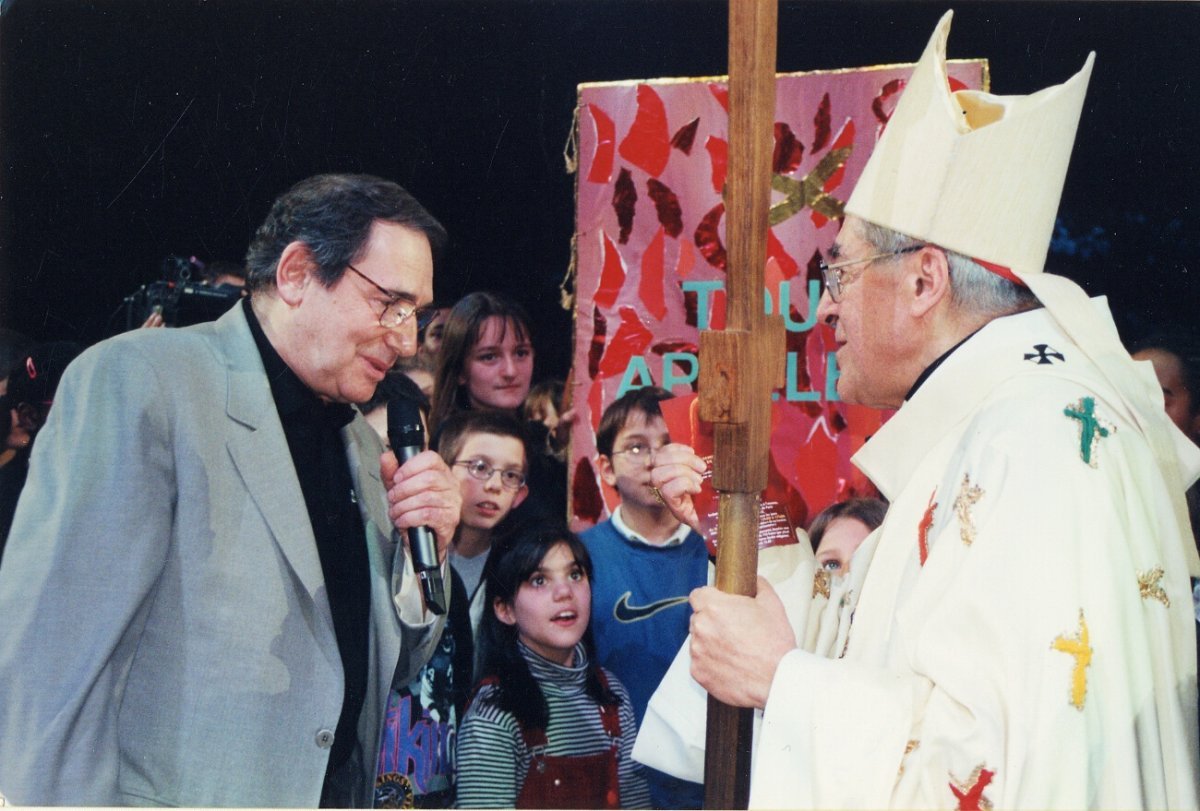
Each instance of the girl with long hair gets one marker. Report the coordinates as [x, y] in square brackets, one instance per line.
[547, 727]
[485, 361]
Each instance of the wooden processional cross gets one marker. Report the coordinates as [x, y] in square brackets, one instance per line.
[740, 365]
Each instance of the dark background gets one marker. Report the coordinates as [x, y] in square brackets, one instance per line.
[135, 129]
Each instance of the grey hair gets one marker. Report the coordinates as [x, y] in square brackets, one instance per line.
[973, 287]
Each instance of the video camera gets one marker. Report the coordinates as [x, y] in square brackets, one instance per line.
[182, 295]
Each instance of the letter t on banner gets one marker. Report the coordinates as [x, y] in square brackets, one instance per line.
[740, 365]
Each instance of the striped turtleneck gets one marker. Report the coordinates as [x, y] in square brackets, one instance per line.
[493, 759]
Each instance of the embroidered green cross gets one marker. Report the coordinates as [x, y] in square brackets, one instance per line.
[1091, 427]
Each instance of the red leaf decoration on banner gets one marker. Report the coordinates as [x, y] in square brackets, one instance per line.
[624, 202]
[886, 93]
[685, 136]
[845, 138]
[955, 84]
[586, 502]
[606, 140]
[647, 145]
[686, 261]
[787, 265]
[721, 94]
[822, 124]
[708, 238]
[612, 277]
[813, 270]
[595, 401]
[596, 349]
[691, 304]
[631, 339]
[650, 286]
[675, 345]
[718, 154]
[837, 423]
[667, 205]
[788, 151]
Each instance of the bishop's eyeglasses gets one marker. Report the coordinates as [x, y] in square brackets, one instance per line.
[835, 279]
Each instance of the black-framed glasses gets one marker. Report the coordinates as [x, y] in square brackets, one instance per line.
[510, 478]
[639, 451]
[835, 280]
[395, 313]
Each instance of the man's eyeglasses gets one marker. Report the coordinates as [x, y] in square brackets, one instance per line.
[639, 452]
[835, 280]
[479, 469]
[395, 313]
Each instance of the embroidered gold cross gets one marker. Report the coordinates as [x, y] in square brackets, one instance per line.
[821, 582]
[968, 495]
[1148, 586]
[1078, 647]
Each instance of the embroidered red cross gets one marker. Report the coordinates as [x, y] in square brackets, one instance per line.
[924, 527]
[970, 797]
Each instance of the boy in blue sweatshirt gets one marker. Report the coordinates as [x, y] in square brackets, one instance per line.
[646, 563]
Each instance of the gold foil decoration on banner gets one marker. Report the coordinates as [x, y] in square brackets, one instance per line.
[809, 191]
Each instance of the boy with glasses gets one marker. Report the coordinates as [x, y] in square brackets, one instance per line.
[487, 454]
[646, 563]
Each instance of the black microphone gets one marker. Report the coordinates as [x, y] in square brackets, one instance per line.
[407, 435]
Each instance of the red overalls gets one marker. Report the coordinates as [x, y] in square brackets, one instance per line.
[579, 781]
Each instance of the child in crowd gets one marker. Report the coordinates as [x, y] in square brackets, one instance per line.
[487, 454]
[839, 529]
[416, 754]
[544, 409]
[485, 362]
[647, 563]
[548, 727]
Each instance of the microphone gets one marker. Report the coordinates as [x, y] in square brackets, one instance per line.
[407, 435]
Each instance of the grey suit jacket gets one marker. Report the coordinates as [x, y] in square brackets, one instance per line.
[165, 635]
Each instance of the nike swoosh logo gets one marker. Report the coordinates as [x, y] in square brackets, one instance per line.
[624, 612]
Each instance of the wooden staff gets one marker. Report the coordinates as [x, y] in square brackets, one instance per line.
[740, 365]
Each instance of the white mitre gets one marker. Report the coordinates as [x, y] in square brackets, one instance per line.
[982, 175]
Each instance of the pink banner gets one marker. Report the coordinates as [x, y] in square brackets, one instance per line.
[651, 259]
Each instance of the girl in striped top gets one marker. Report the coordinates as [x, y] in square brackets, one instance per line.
[547, 727]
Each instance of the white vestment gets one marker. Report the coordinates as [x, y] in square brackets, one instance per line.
[1024, 635]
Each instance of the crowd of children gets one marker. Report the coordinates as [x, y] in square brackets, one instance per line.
[554, 642]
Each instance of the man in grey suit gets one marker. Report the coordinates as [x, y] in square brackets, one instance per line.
[205, 595]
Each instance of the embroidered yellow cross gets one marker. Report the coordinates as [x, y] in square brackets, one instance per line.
[1078, 647]
[968, 494]
[1148, 586]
